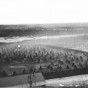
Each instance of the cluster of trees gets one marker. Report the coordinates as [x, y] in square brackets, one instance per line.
[22, 54]
[35, 54]
[59, 61]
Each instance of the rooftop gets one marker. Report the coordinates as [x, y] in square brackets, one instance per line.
[21, 80]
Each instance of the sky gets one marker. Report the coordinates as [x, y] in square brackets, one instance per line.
[43, 11]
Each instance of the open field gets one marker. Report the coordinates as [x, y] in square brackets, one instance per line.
[45, 49]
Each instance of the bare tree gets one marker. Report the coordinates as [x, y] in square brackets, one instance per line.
[0, 69]
[31, 77]
[30, 82]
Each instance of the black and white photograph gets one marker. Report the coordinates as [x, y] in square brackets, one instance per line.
[43, 43]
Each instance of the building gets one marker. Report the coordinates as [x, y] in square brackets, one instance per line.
[22, 80]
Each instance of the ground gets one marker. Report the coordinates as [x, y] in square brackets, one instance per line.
[70, 42]
[66, 81]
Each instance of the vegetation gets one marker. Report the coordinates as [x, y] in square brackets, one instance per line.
[14, 73]
[52, 60]
[4, 74]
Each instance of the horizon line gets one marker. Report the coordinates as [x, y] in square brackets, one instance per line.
[64, 23]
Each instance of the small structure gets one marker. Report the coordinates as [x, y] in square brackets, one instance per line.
[37, 79]
[22, 80]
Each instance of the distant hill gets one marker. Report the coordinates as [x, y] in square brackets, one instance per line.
[41, 29]
[40, 26]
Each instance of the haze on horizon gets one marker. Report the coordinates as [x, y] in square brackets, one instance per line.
[43, 11]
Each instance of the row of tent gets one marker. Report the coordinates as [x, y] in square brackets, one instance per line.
[24, 71]
[51, 75]
[14, 73]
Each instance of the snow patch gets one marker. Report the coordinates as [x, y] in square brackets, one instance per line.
[17, 39]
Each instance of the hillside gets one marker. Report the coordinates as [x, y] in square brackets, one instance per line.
[37, 29]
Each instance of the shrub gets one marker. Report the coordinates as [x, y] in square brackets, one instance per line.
[4, 74]
[14, 73]
[24, 71]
